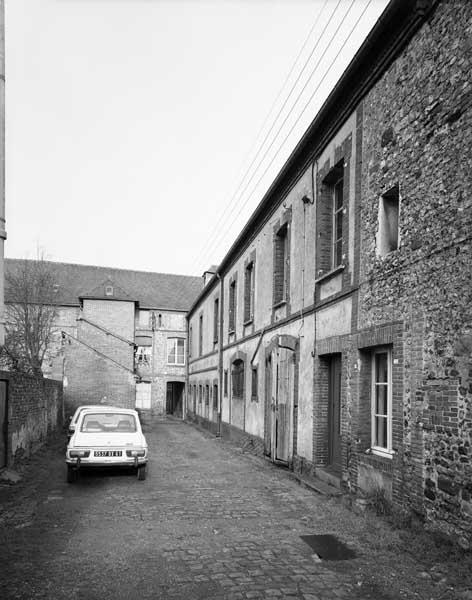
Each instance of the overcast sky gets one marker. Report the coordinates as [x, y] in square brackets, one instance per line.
[133, 126]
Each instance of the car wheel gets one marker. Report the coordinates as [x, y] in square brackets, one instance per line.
[72, 474]
[141, 472]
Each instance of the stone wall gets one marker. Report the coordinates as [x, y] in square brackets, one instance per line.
[416, 134]
[35, 412]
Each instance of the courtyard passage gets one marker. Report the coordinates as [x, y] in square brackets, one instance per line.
[209, 522]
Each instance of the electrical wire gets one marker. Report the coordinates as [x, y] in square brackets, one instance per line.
[230, 202]
[298, 119]
[222, 233]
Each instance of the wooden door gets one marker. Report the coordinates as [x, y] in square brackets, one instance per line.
[334, 414]
[283, 405]
[268, 404]
[3, 423]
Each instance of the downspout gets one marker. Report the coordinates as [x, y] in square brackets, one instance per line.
[187, 369]
[220, 356]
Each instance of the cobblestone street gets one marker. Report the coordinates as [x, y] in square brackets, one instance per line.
[209, 522]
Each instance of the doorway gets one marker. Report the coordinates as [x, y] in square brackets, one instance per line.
[279, 401]
[3, 423]
[334, 413]
[174, 398]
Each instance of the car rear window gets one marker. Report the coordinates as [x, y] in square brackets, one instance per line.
[108, 423]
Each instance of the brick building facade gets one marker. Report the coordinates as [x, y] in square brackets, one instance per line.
[119, 336]
[336, 334]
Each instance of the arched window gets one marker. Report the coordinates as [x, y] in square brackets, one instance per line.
[237, 378]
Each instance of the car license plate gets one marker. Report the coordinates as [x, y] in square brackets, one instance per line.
[107, 453]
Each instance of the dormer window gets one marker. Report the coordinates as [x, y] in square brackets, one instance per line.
[109, 290]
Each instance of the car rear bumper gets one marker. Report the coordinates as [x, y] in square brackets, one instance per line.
[106, 462]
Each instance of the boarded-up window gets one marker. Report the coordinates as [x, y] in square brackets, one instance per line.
[216, 320]
[232, 306]
[200, 335]
[338, 211]
[254, 384]
[281, 263]
[249, 292]
[237, 376]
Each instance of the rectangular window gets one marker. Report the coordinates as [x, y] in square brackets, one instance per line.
[200, 335]
[337, 230]
[382, 401]
[190, 341]
[175, 351]
[254, 385]
[280, 265]
[225, 382]
[216, 320]
[237, 377]
[207, 395]
[388, 232]
[215, 396]
[144, 318]
[249, 292]
[232, 307]
[143, 355]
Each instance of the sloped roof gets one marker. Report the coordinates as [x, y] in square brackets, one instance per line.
[151, 290]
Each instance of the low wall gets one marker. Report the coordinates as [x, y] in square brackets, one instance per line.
[35, 411]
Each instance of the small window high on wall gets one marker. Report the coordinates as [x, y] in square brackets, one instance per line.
[388, 230]
[175, 351]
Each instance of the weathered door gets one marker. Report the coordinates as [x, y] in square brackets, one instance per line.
[334, 414]
[268, 404]
[279, 392]
[3, 423]
[143, 395]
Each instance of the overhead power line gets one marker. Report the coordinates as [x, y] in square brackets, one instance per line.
[222, 233]
[299, 117]
[289, 74]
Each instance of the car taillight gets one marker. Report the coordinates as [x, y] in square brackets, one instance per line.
[79, 453]
[135, 453]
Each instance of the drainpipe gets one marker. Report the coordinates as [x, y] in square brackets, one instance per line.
[187, 369]
[220, 356]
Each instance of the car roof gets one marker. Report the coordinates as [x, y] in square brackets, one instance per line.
[114, 409]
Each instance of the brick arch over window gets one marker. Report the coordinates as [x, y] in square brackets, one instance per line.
[284, 341]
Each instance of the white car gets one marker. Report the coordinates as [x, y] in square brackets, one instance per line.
[107, 436]
[76, 415]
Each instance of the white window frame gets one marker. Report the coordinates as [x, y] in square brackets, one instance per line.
[174, 341]
[388, 451]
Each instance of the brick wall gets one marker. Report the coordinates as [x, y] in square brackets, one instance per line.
[92, 378]
[35, 412]
[417, 133]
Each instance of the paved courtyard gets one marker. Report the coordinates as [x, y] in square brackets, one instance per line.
[209, 522]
